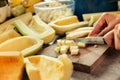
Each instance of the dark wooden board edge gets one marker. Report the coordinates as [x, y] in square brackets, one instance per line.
[90, 69]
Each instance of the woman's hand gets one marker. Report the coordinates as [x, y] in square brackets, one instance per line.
[108, 26]
[105, 24]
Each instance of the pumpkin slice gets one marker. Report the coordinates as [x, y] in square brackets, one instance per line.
[11, 65]
[65, 24]
[79, 32]
[27, 45]
[43, 67]
[37, 28]
[67, 20]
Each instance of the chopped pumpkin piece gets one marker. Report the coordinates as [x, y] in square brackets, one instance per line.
[64, 49]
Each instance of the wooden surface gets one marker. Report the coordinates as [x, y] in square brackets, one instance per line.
[108, 70]
[87, 61]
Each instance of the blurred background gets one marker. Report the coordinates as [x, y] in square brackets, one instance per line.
[92, 6]
[18, 7]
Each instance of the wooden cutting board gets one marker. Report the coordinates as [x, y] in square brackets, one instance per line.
[88, 59]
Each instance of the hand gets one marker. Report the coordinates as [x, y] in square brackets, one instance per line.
[108, 26]
[105, 24]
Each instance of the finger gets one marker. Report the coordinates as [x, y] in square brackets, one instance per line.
[98, 26]
[117, 37]
[105, 30]
[109, 38]
[110, 26]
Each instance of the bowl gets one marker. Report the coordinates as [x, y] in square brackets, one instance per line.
[52, 10]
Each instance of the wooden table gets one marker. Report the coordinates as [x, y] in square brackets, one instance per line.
[108, 70]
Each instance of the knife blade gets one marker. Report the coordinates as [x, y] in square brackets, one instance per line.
[91, 40]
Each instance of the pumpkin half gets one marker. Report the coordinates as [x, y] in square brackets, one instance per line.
[27, 45]
[36, 28]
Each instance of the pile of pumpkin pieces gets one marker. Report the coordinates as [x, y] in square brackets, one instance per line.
[29, 27]
[69, 27]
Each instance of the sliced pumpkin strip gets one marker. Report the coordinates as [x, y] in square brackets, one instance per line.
[77, 33]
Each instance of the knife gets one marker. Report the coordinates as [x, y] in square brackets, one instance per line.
[91, 40]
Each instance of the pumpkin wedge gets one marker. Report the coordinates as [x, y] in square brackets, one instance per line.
[36, 28]
[27, 45]
[11, 65]
[65, 24]
[79, 32]
[67, 20]
[43, 67]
